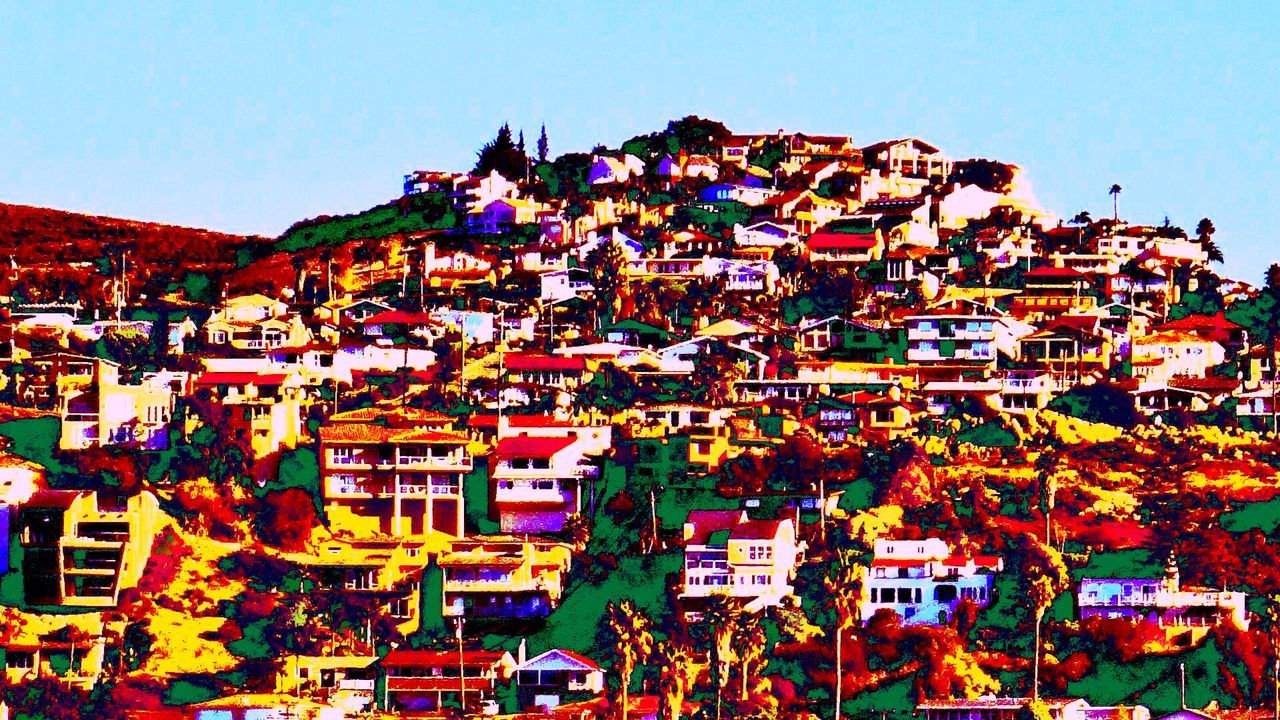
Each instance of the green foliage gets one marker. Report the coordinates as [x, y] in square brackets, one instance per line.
[991, 434]
[36, 439]
[1100, 403]
[414, 213]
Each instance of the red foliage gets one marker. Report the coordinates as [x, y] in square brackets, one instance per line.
[287, 518]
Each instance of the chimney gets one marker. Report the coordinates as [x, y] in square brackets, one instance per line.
[520, 653]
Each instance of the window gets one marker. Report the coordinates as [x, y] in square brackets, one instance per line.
[342, 456]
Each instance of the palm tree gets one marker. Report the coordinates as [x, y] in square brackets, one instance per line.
[748, 641]
[634, 635]
[1273, 277]
[1115, 200]
[844, 593]
[1204, 233]
[578, 529]
[1042, 596]
[1273, 634]
[721, 619]
[675, 678]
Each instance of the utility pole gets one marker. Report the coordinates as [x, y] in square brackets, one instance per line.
[462, 671]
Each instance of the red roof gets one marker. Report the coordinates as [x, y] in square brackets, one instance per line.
[1217, 322]
[398, 317]
[842, 241]
[489, 420]
[532, 447]
[240, 378]
[1054, 272]
[755, 530]
[898, 562]
[441, 658]
[544, 362]
[436, 684]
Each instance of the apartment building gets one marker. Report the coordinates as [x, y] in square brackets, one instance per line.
[1163, 602]
[393, 472]
[101, 409]
[80, 548]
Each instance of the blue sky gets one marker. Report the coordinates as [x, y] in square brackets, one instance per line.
[246, 117]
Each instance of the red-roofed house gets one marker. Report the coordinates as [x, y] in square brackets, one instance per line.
[537, 481]
[555, 371]
[924, 582]
[839, 247]
[421, 680]
[749, 561]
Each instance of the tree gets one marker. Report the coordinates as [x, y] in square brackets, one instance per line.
[721, 619]
[578, 530]
[1042, 596]
[1115, 200]
[543, 146]
[749, 641]
[502, 154]
[633, 633]
[1273, 278]
[1204, 233]
[607, 264]
[844, 592]
[675, 678]
[1273, 635]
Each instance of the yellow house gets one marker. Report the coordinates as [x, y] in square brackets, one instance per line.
[80, 548]
[395, 472]
[69, 647]
[1175, 353]
[255, 322]
[751, 561]
[504, 577]
[345, 681]
[388, 570]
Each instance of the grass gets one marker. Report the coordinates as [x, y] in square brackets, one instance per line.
[380, 221]
[1264, 516]
[36, 440]
[1134, 563]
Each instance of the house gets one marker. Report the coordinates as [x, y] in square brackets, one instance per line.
[1163, 602]
[266, 408]
[1165, 354]
[547, 371]
[423, 680]
[383, 574]
[764, 234]
[81, 548]
[808, 210]
[559, 285]
[69, 647]
[1069, 347]
[504, 577]
[429, 181]
[1211, 327]
[255, 322]
[505, 213]
[346, 681]
[538, 481]
[393, 472]
[256, 706]
[910, 156]
[608, 170]
[858, 248]
[634, 332]
[950, 338]
[547, 680]
[471, 192]
[1023, 391]
[749, 561]
[989, 707]
[103, 410]
[924, 582]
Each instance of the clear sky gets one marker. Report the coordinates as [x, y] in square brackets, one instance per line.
[246, 116]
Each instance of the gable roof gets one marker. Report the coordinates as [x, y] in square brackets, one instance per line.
[524, 446]
[557, 659]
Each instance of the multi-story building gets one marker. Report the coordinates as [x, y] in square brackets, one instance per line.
[538, 475]
[383, 574]
[750, 561]
[103, 410]
[1163, 602]
[504, 577]
[401, 475]
[81, 548]
[923, 582]
[422, 680]
[255, 322]
[266, 408]
[946, 338]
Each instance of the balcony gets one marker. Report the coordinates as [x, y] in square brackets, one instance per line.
[455, 461]
[359, 685]
[525, 493]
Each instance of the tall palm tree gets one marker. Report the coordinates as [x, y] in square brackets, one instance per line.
[844, 593]
[1204, 233]
[634, 635]
[1273, 634]
[675, 678]
[1115, 201]
[749, 641]
[721, 618]
[1042, 596]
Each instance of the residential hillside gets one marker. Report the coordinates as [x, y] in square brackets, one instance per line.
[709, 424]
